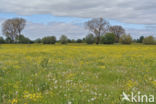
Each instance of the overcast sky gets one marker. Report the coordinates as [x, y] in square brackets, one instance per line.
[57, 17]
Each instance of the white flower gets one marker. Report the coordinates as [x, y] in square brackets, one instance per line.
[93, 99]
[69, 102]
[55, 87]
[55, 81]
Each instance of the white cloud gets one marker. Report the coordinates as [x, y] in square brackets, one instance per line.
[128, 11]
[38, 30]
[136, 33]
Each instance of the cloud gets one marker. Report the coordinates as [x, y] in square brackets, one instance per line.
[38, 30]
[127, 11]
[136, 33]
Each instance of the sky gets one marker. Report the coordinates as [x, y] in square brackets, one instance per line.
[57, 17]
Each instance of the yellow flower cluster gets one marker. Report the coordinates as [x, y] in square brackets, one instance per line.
[32, 96]
[130, 84]
[154, 83]
[70, 75]
[103, 67]
[13, 101]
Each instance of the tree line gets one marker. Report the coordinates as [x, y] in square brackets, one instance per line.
[101, 32]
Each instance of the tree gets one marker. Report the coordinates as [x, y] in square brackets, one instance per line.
[63, 39]
[20, 24]
[49, 40]
[108, 38]
[12, 28]
[2, 40]
[98, 26]
[84, 40]
[38, 40]
[69, 41]
[125, 39]
[79, 41]
[24, 40]
[9, 40]
[149, 40]
[73, 41]
[140, 40]
[90, 39]
[118, 31]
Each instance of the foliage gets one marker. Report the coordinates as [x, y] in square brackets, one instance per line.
[23, 39]
[90, 39]
[63, 39]
[2, 40]
[79, 41]
[49, 40]
[149, 40]
[71, 41]
[38, 40]
[108, 38]
[126, 39]
[140, 40]
[9, 40]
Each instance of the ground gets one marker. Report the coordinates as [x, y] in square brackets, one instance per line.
[75, 73]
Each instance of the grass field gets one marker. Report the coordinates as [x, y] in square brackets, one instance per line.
[75, 74]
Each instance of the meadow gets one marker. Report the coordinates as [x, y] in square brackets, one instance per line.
[75, 73]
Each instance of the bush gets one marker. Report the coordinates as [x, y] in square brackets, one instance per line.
[125, 39]
[9, 40]
[2, 40]
[24, 40]
[90, 39]
[140, 40]
[108, 38]
[79, 41]
[69, 40]
[84, 40]
[63, 39]
[149, 40]
[73, 41]
[49, 40]
[38, 40]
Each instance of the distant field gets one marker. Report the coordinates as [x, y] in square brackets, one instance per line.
[75, 74]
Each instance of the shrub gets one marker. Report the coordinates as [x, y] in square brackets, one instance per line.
[79, 41]
[63, 39]
[84, 40]
[23, 39]
[2, 40]
[90, 39]
[38, 40]
[49, 40]
[9, 40]
[73, 41]
[126, 39]
[69, 40]
[108, 38]
[149, 40]
[140, 40]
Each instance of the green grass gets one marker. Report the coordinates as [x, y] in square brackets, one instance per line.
[74, 73]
